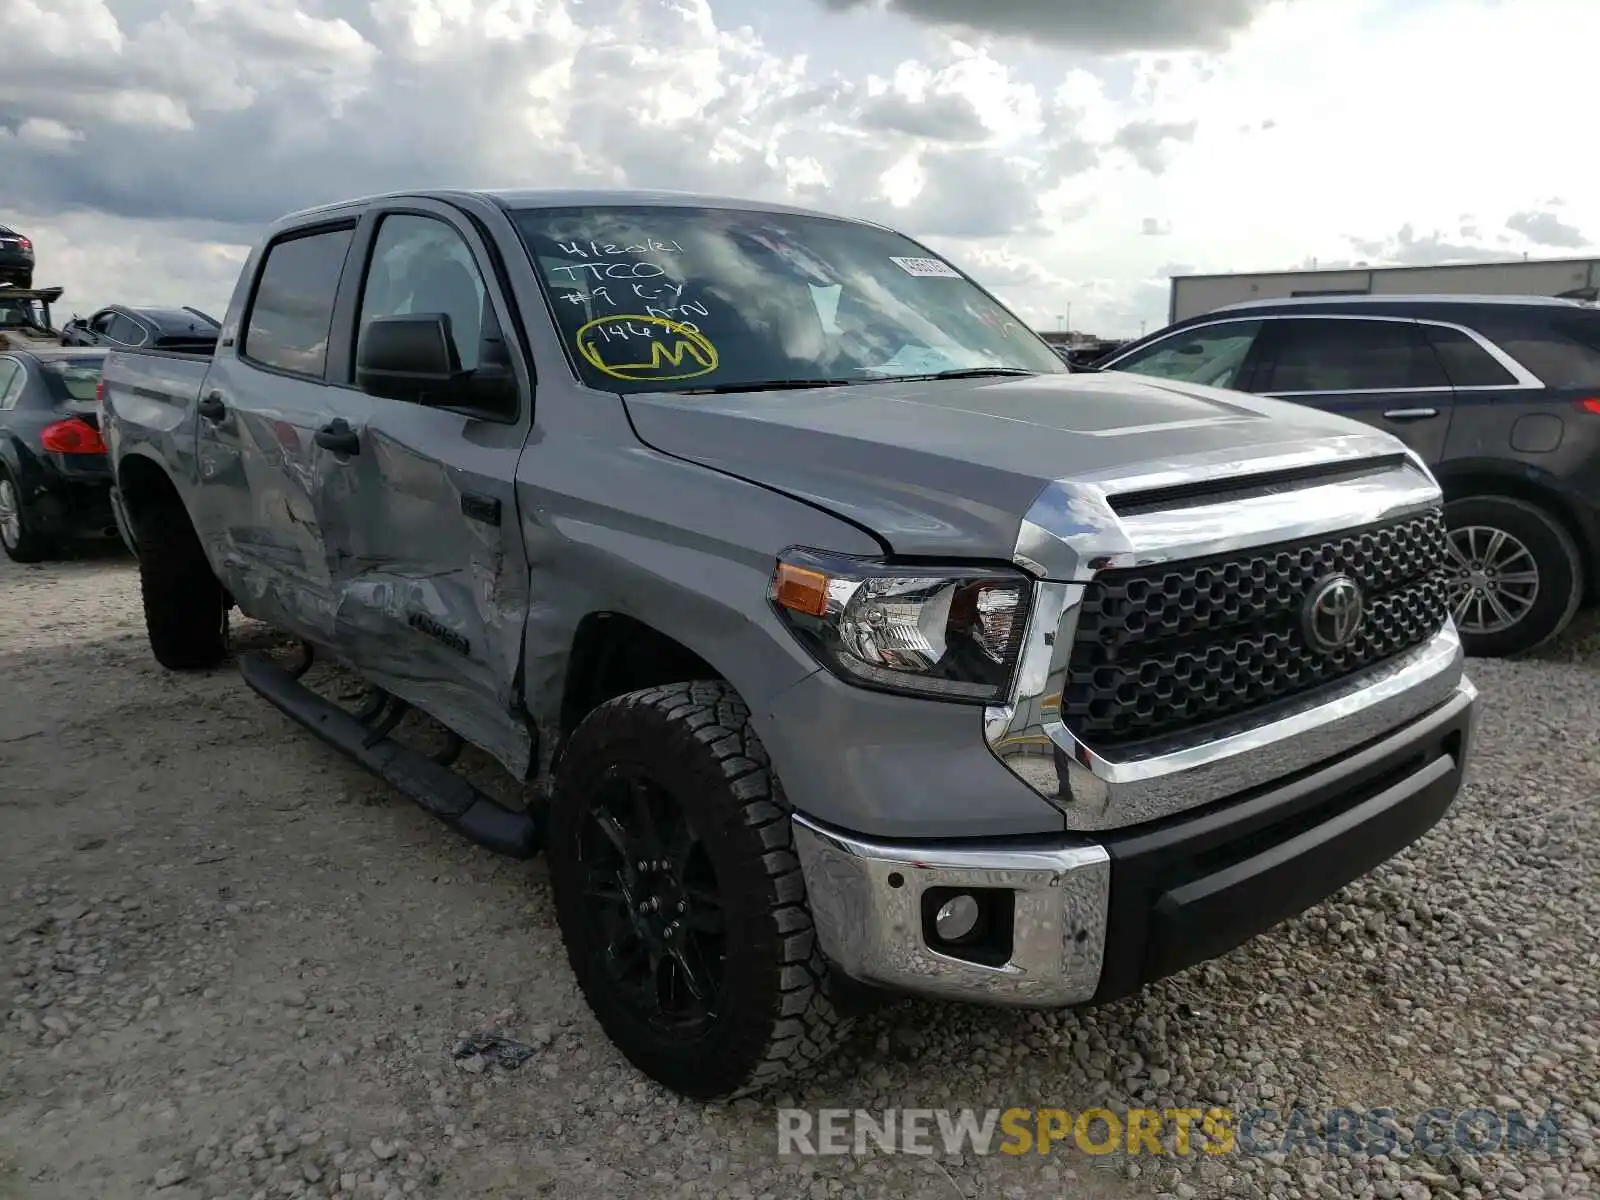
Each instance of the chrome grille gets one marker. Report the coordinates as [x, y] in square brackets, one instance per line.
[1165, 648]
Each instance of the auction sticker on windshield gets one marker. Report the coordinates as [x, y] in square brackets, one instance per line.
[927, 267]
[646, 348]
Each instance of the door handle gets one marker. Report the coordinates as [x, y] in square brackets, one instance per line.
[337, 436]
[212, 408]
[1411, 414]
[481, 508]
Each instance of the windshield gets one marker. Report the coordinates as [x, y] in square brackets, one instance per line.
[72, 380]
[653, 298]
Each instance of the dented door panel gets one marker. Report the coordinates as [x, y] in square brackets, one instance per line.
[430, 573]
[271, 495]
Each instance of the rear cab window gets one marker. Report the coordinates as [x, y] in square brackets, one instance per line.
[291, 312]
[652, 298]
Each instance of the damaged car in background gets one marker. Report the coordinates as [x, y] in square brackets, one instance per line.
[844, 643]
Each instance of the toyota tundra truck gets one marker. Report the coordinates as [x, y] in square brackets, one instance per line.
[838, 642]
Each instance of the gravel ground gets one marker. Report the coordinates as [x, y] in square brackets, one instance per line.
[236, 966]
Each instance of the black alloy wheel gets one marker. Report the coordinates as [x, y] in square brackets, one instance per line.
[652, 902]
[681, 899]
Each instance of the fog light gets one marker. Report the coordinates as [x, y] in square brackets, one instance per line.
[956, 918]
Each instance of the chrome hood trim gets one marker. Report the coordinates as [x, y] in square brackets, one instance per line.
[1072, 530]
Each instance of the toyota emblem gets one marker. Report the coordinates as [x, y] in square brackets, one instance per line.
[1332, 614]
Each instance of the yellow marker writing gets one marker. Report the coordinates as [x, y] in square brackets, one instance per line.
[678, 348]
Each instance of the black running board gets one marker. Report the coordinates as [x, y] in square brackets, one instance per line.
[436, 788]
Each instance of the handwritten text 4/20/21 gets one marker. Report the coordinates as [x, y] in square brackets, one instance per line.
[611, 250]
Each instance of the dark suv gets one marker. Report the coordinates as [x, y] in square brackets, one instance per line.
[16, 258]
[1499, 395]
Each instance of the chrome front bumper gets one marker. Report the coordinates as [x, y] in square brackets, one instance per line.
[1092, 920]
[866, 900]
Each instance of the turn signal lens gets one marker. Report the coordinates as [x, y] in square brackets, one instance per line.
[72, 436]
[800, 590]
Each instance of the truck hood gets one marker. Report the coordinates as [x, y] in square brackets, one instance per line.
[951, 467]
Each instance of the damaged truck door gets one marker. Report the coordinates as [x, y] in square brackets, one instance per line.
[433, 580]
[267, 491]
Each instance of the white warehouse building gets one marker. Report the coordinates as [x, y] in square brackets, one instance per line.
[1574, 278]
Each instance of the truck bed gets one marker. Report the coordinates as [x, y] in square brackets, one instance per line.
[148, 402]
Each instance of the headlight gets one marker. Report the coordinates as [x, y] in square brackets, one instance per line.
[948, 632]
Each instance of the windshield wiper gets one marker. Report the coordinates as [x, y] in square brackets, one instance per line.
[765, 385]
[967, 373]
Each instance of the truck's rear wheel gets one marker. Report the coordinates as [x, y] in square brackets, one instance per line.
[680, 898]
[185, 609]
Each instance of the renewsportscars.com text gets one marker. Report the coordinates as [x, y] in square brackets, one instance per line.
[1161, 1131]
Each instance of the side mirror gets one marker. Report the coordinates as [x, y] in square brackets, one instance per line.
[411, 357]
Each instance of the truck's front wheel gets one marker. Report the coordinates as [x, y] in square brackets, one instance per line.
[185, 609]
[680, 898]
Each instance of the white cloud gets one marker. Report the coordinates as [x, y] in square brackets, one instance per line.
[143, 144]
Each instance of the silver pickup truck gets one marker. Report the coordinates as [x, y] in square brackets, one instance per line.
[847, 645]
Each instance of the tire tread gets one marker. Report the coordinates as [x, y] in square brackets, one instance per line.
[185, 612]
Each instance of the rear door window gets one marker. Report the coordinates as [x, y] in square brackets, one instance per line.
[1211, 354]
[1466, 362]
[1310, 355]
[291, 312]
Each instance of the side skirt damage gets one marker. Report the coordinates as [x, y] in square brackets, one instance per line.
[429, 782]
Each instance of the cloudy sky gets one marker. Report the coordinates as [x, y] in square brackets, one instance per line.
[1066, 152]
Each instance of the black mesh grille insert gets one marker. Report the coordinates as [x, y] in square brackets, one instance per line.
[1163, 648]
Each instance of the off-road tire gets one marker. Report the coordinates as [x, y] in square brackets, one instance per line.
[1560, 565]
[776, 1018]
[30, 545]
[185, 610]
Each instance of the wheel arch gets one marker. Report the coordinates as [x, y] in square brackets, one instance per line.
[9, 457]
[612, 654]
[142, 481]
